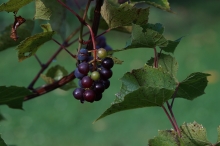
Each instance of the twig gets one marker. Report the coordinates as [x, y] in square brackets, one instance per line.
[155, 58]
[174, 95]
[38, 60]
[174, 119]
[171, 121]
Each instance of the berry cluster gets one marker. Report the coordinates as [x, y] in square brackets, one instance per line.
[93, 74]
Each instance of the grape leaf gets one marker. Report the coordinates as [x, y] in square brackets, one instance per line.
[58, 16]
[56, 73]
[30, 45]
[171, 47]
[143, 87]
[142, 36]
[193, 86]
[13, 96]
[13, 5]
[161, 4]
[2, 143]
[2, 117]
[42, 12]
[123, 15]
[23, 32]
[46, 27]
[192, 134]
[165, 138]
[167, 62]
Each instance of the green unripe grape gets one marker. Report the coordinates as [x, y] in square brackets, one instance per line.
[102, 53]
[95, 75]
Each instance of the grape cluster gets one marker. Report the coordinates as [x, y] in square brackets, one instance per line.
[93, 74]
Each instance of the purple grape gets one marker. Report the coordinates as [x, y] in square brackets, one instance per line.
[86, 82]
[79, 83]
[82, 57]
[98, 97]
[98, 87]
[83, 51]
[78, 74]
[89, 95]
[101, 41]
[107, 63]
[105, 73]
[83, 68]
[106, 83]
[78, 93]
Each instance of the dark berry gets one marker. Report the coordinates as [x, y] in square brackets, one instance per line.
[78, 74]
[89, 95]
[105, 73]
[98, 87]
[78, 93]
[106, 83]
[83, 68]
[107, 63]
[86, 82]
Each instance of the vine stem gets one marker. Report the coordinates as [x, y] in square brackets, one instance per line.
[171, 121]
[38, 60]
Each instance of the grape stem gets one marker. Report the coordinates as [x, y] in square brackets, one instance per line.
[38, 60]
[173, 119]
[174, 95]
[44, 67]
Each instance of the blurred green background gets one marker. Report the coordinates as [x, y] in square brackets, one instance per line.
[57, 119]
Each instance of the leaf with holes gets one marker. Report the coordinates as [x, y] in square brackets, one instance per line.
[123, 15]
[171, 47]
[14, 5]
[193, 86]
[2, 143]
[23, 32]
[165, 138]
[42, 12]
[143, 87]
[30, 45]
[167, 62]
[13, 96]
[160, 4]
[192, 134]
[58, 16]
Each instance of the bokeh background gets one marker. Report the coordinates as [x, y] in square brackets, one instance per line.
[57, 119]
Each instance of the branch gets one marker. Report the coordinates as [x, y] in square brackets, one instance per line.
[45, 89]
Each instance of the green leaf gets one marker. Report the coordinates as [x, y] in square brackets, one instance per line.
[171, 47]
[56, 73]
[58, 16]
[30, 45]
[193, 86]
[167, 62]
[143, 87]
[13, 96]
[161, 4]
[142, 36]
[13, 5]
[2, 118]
[2, 143]
[23, 32]
[123, 15]
[165, 138]
[46, 27]
[42, 12]
[194, 134]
